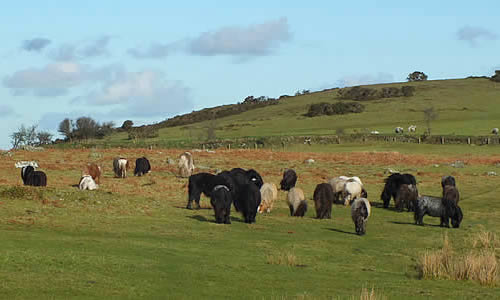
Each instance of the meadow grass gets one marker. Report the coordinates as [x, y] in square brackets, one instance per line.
[133, 238]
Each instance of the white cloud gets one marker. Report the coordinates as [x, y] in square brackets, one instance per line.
[81, 50]
[473, 35]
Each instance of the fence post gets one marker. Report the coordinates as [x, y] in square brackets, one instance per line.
[442, 140]
[468, 141]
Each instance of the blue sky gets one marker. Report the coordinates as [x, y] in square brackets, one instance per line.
[150, 60]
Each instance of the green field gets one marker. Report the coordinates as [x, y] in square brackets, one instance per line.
[134, 239]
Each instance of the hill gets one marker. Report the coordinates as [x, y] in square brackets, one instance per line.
[468, 107]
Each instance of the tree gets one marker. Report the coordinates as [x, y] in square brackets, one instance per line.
[105, 129]
[496, 77]
[429, 115]
[44, 138]
[86, 128]
[66, 128]
[127, 125]
[416, 76]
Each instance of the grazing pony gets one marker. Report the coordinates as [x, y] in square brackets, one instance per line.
[447, 180]
[360, 212]
[268, 193]
[142, 166]
[186, 164]
[120, 167]
[323, 200]
[289, 180]
[436, 207]
[494, 131]
[406, 197]
[203, 183]
[248, 201]
[87, 183]
[220, 199]
[32, 177]
[94, 171]
[297, 202]
[392, 184]
[239, 177]
[412, 128]
[398, 130]
[338, 186]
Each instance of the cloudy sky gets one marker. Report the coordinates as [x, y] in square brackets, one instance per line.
[151, 60]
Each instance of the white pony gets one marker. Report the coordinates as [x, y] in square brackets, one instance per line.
[87, 183]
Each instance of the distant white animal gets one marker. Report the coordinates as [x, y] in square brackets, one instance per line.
[87, 183]
[494, 131]
[412, 128]
[375, 132]
[398, 129]
[120, 166]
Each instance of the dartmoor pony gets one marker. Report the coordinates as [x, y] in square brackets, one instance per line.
[297, 202]
[94, 171]
[447, 180]
[268, 193]
[186, 164]
[392, 184]
[406, 197]
[289, 180]
[436, 207]
[32, 177]
[203, 183]
[120, 167]
[87, 183]
[360, 212]
[249, 200]
[323, 200]
[142, 166]
[220, 199]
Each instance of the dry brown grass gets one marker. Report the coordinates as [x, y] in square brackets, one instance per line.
[478, 264]
[369, 295]
[282, 258]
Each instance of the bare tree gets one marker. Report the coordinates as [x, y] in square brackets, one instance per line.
[430, 114]
[66, 128]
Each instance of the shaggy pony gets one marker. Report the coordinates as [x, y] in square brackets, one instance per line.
[360, 212]
[202, 183]
[249, 200]
[392, 184]
[268, 193]
[94, 171]
[406, 197]
[323, 200]
[436, 207]
[289, 180]
[142, 166]
[221, 202]
[186, 164]
[32, 177]
[87, 183]
[120, 167]
[296, 202]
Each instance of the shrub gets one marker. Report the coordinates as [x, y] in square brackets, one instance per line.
[338, 108]
[364, 94]
[496, 77]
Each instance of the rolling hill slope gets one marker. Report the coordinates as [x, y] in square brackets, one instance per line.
[464, 106]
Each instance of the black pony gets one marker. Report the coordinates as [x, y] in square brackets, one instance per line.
[436, 207]
[32, 177]
[392, 185]
[323, 200]
[142, 166]
[202, 183]
[221, 202]
[289, 180]
[249, 199]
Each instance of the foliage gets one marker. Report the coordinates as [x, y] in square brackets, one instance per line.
[338, 108]
[85, 128]
[364, 93]
[416, 76]
[29, 136]
[142, 132]
[496, 77]
[127, 125]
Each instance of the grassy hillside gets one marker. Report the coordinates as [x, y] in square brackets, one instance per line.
[465, 107]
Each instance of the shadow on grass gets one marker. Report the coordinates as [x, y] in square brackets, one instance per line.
[412, 223]
[341, 231]
[203, 219]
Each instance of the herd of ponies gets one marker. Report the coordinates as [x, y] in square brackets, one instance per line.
[246, 191]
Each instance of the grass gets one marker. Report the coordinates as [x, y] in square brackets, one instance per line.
[133, 238]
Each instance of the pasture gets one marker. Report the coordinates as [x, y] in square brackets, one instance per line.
[133, 238]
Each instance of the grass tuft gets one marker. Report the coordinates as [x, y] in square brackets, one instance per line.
[283, 258]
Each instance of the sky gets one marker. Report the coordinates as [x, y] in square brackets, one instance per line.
[147, 61]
